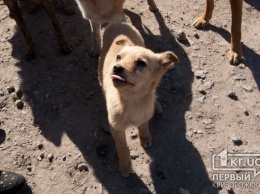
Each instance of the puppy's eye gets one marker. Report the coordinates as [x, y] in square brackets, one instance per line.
[140, 63]
[118, 57]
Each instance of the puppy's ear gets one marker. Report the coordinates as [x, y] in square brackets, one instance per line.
[167, 59]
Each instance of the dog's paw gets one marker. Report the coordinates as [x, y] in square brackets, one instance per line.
[66, 49]
[126, 168]
[200, 22]
[146, 142]
[234, 57]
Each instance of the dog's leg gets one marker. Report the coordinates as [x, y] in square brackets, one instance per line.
[123, 152]
[235, 53]
[152, 6]
[15, 13]
[66, 7]
[96, 38]
[203, 20]
[144, 135]
[64, 44]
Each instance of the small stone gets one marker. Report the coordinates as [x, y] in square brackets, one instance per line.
[39, 158]
[50, 157]
[202, 91]
[189, 133]
[134, 136]
[196, 48]
[29, 168]
[241, 66]
[134, 155]
[246, 112]
[19, 104]
[2, 93]
[199, 132]
[202, 98]
[232, 95]
[207, 121]
[181, 36]
[200, 74]
[237, 140]
[40, 146]
[64, 158]
[14, 96]
[10, 89]
[196, 36]
[82, 167]
[208, 85]
[42, 155]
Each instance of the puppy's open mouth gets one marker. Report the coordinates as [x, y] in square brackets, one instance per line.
[117, 77]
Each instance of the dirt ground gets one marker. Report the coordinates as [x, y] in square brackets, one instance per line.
[56, 140]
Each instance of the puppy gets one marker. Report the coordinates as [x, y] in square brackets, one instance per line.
[102, 11]
[15, 13]
[235, 53]
[129, 75]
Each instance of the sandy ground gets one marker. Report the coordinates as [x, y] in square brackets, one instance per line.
[56, 139]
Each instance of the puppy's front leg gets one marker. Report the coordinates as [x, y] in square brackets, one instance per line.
[96, 38]
[144, 135]
[123, 152]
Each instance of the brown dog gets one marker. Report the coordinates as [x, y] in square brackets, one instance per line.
[129, 75]
[15, 13]
[235, 53]
[98, 12]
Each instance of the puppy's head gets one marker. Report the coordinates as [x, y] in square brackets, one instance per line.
[137, 68]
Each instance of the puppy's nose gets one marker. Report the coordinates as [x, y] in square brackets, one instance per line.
[118, 69]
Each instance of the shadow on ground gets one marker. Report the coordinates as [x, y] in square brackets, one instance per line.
[254, 3]
[65, 97]
[250, 58]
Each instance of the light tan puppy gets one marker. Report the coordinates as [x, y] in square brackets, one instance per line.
[235, 53]
[101, 11]
[129, 75]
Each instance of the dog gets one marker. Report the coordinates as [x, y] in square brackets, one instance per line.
[104, 11]
[129, 75]
[235, 53]
[15, 13]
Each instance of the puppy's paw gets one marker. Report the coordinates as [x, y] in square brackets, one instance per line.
[234, 57]
[158, 107]
[200, 22]
[126, 168]
[146, 142]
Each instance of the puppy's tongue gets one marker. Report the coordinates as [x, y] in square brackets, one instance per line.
[117, 77]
